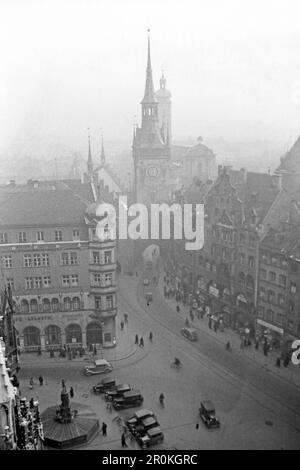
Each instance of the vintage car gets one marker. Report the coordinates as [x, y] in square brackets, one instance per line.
[139, 416]
[100, 366]
[128, 400]
[146, 282]
[147, 423]
[189, 333]
[152, 437]
[105, 385]
[117, 392]
[208, 414]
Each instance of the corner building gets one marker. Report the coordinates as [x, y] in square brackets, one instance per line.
[62, 277]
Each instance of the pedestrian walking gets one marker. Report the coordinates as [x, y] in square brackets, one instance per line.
[150, 336]
[141, 343]
[187, 322]
[256, 344]
[192, 316]
[72, 392]
[31, 383]
[95, 350]
[125, 318]
[123, 440]
[41, 380]
[109, 406]
[104, 428]
[136, 339]
[278, 361]
[122, 325]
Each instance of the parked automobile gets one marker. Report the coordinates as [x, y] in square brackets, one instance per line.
[146, 282]
[128, 400]
[105, 385]
[100, 366]
[208, 414]
[117, 392]
[152, 437]
[189, 333]
[139, 416]
[143, 426]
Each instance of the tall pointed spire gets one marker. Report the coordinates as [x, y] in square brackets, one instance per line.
[102, 157]
[90, 160]
[149, 96]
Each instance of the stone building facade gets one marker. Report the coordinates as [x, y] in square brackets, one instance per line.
[62, 276]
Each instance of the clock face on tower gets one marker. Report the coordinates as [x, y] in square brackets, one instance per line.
[152, 171]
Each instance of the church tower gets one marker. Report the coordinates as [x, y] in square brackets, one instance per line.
[151, 149]
[163, 97]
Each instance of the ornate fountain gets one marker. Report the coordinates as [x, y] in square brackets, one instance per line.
[65, 427]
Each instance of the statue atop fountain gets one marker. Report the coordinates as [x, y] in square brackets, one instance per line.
[64, 414]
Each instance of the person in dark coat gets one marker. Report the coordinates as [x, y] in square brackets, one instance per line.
[123, 440]
[104, 428]
[136, 339]
[122, 325]
[72, 392]
[41, 380]
[141, 343]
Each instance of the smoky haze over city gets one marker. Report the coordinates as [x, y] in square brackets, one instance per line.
[232, 68]
[149, 227]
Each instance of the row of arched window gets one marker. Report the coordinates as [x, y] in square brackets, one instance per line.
[53, 335]
[47, 305]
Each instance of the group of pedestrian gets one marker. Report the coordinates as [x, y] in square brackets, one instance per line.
[123, 436]
[140, 341]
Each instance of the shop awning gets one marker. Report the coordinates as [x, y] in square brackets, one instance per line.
[270, 326]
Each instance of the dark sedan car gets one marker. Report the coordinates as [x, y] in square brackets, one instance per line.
[118, 392]
[208, 414]
[128, 400]
[139, 416]
[105, 385]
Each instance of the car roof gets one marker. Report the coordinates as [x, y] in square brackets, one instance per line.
[101, 362]
[123, 387]
[149, 420]
[190, 330]
[208, 405]
[143, 412]
[154, 431]
[106, 381]
[132, 393]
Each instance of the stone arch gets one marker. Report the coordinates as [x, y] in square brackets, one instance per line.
[67, 303]
[46, 305]
[53, 336]
[33, 306]
[24, 306]
[32, 338]
[75, 303]
[73, 334]
[94, 333]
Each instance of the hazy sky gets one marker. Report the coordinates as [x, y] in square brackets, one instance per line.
[233, 68]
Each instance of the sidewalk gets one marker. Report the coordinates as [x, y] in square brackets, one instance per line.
[290, 373]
